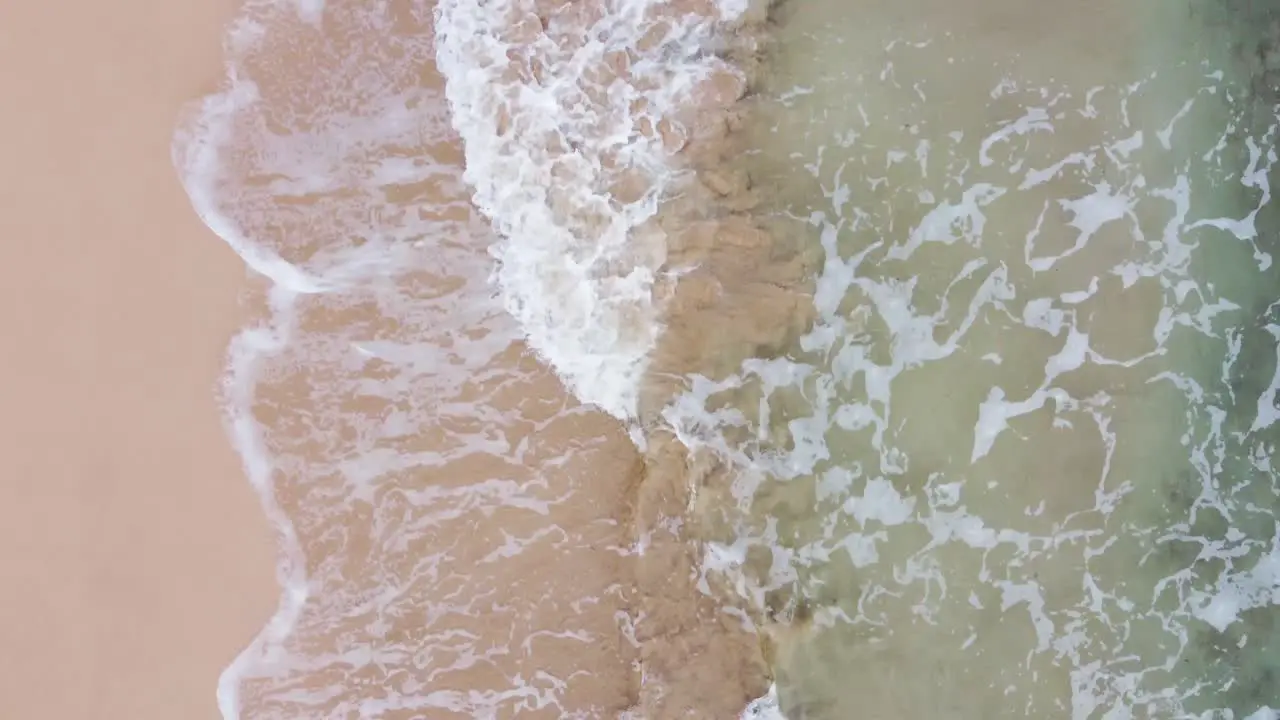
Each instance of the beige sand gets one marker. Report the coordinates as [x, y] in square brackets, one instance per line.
[136, 561]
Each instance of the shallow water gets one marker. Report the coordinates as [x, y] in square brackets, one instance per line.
[1002, 274]
[1020, 465]
[460, 536]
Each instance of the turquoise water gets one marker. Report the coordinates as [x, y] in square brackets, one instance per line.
[1020, 467]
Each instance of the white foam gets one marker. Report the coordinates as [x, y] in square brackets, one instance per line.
[578, 265]
[764, 708]
[1269, 399]
[247, 349]
[311, 11]
[1237, 592]
[197, 154]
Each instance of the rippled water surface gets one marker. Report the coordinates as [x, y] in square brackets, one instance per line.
[1021, 464]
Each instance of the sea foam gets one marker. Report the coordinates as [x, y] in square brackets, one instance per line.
[568, 123]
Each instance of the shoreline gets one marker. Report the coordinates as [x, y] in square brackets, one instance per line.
[139, 560]
[746, 294]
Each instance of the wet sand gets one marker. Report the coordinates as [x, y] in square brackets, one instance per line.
[136, 559]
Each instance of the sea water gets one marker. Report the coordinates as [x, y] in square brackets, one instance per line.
[1020, 465]
[1015, 461]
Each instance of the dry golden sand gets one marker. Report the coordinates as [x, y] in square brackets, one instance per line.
[136, 562]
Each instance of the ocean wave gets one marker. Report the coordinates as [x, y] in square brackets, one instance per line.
[570, 119]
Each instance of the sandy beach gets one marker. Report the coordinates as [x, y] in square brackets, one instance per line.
[136, 560]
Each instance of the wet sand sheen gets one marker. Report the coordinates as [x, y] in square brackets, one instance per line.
[136, 560]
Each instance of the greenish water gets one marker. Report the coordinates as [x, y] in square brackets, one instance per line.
[1021, 466]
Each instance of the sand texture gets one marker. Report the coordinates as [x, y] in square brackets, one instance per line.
[136, 562]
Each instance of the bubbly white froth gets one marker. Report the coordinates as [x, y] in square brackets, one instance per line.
[552, 123]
